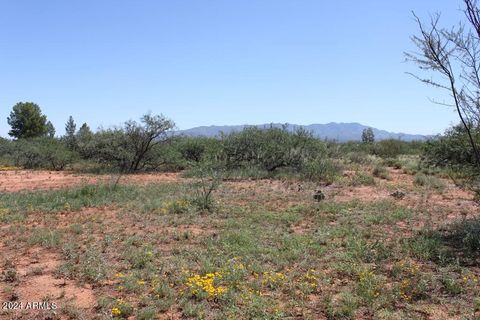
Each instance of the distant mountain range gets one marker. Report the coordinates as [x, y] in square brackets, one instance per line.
[341, 132]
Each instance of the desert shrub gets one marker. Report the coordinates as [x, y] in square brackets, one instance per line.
[381, 172]
[192, 149]
[83, 139]
[351, 146]
[270, 148]
[165, 157]
[466, 234]
[390, 148]
[129, 148]
[321, 169]
[44, 152]
[392, 162]
[362, 179]
[209, 177]
[451, 149]
[359, 157]
[428, 181]
[110, 148]
[5, 149]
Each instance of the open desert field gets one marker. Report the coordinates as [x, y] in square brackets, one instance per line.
[240, 160]
[376, 248]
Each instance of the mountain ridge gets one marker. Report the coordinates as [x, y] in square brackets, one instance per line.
[339, 131]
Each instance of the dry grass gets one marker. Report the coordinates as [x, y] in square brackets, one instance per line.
[267, 251]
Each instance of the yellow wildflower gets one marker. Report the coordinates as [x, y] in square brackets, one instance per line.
[116, 312]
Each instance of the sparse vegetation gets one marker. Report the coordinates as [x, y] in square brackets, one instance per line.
[136, 222]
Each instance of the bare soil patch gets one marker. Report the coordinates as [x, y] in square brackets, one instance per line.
[36, 281]
[23, 180]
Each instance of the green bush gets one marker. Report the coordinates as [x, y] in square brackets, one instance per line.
[359, 157]
[452, 149]
[131, 147]
[5, 150]
[324, 170]
[39, 153]
[192, 149]
[270, 149]
[428, 181]
[392, 162]
[362, 179]
[381, 172]
[390, 148]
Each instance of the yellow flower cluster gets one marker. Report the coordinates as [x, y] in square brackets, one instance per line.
[4, 212]
[369, 284]
[121, 309]
[365, 274]
[249, 293]
[409, 286]
[175, 206]
[405, 288]
[311, 279]
[470, 278]
[272, 278]
[116, 312]
[9, 168]
[205, 284]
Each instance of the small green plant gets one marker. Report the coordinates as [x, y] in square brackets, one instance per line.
[210, 178]
[360, 157]
[476, 305]
[393, 162]
[88, 264]
[451, 286]
[412, 284]
[147, 313]
[9, 275]
[362, 179]
[429, 182]
[46, 237]
[368, 286]
[121, 309]
[381, 172]
[343, 307]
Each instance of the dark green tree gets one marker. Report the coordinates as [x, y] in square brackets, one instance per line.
[27, 121]
[84, 131]
[83, 140]
[70, 129]
[130, 148]
[143, 137]
[368, 136]
[50, 130]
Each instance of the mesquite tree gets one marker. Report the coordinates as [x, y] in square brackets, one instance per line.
[453, 56]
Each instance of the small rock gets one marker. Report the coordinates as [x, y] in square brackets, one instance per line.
[398, 194]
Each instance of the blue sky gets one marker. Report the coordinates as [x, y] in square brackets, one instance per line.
[219, 62]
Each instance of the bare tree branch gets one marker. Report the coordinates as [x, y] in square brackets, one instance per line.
[454, 55]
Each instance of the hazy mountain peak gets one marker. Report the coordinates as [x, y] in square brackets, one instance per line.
[332, 131]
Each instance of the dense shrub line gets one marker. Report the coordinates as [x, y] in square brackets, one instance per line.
[150, 146]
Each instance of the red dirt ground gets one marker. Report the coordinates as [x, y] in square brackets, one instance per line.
[22, 180]
[36, 266]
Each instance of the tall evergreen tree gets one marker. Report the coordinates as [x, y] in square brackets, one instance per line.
[70, 139]
[50, 129]
[368, 136]
[27, 121]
